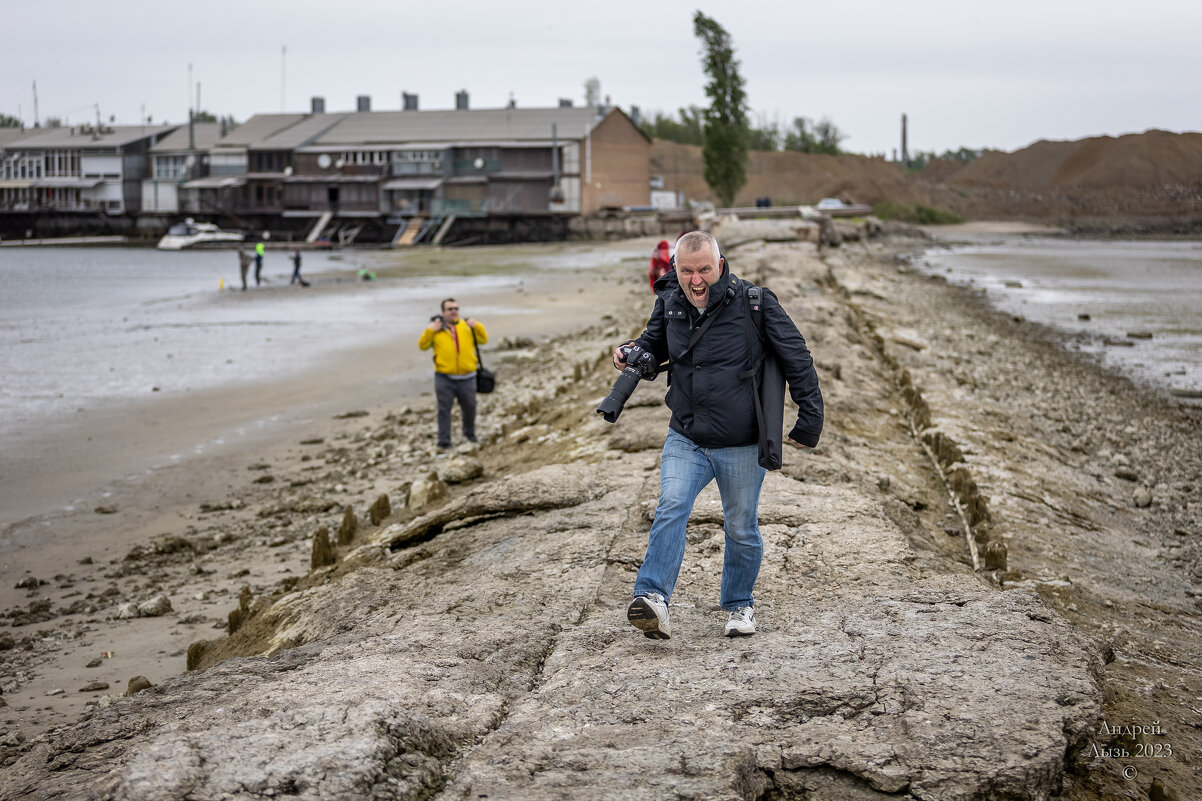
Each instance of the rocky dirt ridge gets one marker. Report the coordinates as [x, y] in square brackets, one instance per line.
[1096, 483]
[476, 645]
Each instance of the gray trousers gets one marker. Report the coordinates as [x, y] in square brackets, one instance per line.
[448, 390]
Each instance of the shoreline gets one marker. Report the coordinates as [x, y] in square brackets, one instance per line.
[120, 460]
[371, 457]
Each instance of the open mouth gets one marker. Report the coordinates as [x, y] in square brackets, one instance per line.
[699, 292]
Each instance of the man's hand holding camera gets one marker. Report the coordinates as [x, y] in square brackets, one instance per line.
[620, 357]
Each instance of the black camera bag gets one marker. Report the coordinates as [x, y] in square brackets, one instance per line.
[486, 382]
[769, 379]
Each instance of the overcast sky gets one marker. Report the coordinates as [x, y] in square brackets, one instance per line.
[984, 74]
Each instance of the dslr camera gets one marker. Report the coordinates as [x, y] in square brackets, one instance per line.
[639, 365]
[437, 317]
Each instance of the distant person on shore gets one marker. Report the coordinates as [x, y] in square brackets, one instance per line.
[243, 265]
[260, 249]
[661, 262]
[296, 265]
[704, 318]
[454, 342]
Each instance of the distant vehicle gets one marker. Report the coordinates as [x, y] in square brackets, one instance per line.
[828, 203]
[190, 234]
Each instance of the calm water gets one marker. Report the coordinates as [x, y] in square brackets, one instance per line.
[81, 327]
[1102, 292]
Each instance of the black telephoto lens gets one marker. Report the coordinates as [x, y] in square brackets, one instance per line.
[611, 407]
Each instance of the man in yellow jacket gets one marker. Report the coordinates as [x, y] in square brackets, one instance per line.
[454, 342]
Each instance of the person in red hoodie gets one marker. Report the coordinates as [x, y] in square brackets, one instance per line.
[661, 261]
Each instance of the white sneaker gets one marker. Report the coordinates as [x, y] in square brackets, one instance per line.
[649, 614]
[740, 622]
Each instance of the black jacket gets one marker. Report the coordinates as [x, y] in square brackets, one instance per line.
[710, 404]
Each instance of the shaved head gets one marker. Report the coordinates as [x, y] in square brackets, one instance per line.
[694, 241]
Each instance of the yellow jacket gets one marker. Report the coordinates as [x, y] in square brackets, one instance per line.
[448, 358]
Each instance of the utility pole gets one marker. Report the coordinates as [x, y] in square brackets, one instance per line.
[283, 66]
[36, 124]
[905, 152]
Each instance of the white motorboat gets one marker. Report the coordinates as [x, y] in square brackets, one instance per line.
[190, 234]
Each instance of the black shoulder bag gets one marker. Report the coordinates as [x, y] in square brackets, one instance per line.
[768, 380]
[486, 382]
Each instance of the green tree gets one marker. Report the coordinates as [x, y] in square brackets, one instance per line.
[208, 116]
[810, 137]
[686, 130]
[765, 134]
[726, 137]
[9, 122]
[964, 155]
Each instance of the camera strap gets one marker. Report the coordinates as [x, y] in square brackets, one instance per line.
[697, 334]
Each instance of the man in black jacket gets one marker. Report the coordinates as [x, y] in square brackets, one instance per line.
[713, 433]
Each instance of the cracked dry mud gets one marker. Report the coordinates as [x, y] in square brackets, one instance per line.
[477, 647]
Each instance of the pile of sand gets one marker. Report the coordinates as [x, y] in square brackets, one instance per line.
[1142, 181]
[1131, 162]
[790, 178]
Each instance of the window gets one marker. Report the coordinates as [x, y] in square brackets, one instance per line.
[170, 167]
[62, 164]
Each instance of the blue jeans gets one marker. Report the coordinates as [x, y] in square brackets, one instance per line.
[685, 470]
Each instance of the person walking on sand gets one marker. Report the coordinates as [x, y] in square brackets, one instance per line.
[243, 265]
[661, 262]
[704, 321]
[296, 264]
[260, 249]
[454, 342]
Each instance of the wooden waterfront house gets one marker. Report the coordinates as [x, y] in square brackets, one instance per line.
[481, 161]
[82, 168]
[181, 156]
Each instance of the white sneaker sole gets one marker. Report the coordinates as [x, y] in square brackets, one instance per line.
[643, 617]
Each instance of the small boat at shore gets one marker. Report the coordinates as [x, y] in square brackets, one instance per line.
[190, 234]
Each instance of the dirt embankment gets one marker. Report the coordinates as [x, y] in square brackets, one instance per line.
[468, 640]
[1138, 183]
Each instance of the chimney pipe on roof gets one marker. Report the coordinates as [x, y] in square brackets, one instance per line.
[363, 103]
[461, 99]
[565, 102]
[317, 105]
[408, 101]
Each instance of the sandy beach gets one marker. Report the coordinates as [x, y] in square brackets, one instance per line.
[149, 466]
[883, 655]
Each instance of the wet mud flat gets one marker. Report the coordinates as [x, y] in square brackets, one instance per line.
[466, 636]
